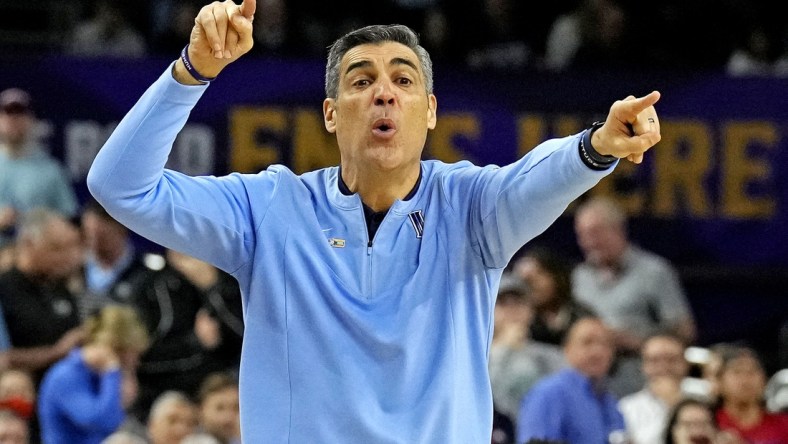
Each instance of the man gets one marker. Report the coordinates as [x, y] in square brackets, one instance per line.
[172, 418]
[574, 405]
[218, 405]
[40, 311]
[516, 360]
[664, 366]
[368, 288]
[29, 176]
[635, 292]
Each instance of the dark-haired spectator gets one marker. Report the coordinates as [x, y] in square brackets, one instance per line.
[691, 421]
[29, 176]
[113, 269]
[548, 277]
[742, 411]
[516, 361]
[574, 405]
[219, 408]
[646, 411]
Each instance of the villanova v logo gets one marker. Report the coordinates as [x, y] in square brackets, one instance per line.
[417, 220]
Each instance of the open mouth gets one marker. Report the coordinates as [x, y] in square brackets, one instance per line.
[384, 127]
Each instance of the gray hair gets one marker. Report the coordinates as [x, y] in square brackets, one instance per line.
[34, 223]
[374, 34]
[164, 400]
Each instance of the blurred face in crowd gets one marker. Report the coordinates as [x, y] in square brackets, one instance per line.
[172, 422]
[742, 380]
[57, 253]
[694, 425]
[104, 237]
[16, 383]
[15, 125]
[589, 348]
[219, 414]
[663, 357]
[602, 241]
[511, 307]
[541, 284]
[13, 430]
[382, 111]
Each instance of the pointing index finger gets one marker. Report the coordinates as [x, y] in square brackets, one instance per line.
[635, 106]
[248, 7]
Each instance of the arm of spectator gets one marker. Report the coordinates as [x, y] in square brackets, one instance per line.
[36, 358]
[96, 411]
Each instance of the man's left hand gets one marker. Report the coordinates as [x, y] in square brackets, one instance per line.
[631, 128]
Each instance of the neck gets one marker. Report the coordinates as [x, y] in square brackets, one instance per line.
[108, 258]
[380, 189]
[14, 149]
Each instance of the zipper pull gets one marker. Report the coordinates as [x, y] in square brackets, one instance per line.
[369, 248]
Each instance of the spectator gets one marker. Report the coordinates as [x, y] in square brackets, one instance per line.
[757, 56]
[592, 34]
[634, 291]
[18, 393]
[184, 336]
[113, 269]
[516, 362]
[664, 366]
[40, 311]
[123, 437]
[574, 405]
[742, 411]
[107, 33]
[221, 318]
[13, 429]
[29, 176]
[172, 24]
[219, 408]
[172, 418]
[81, 399]
[548, 278]
[691, 421]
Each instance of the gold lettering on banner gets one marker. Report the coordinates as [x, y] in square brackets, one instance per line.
[682, 162]
[313, 146]
[249, 154]
[531, 131]
[441, 139]
[741, 169]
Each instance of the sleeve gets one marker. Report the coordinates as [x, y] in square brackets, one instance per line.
[511, 205]
[540, 416]
[670, 300]
[96, 411]
[206, 217]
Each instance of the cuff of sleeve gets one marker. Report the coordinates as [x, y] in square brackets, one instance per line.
[589, 155]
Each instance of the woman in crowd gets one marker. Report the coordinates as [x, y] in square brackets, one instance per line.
[742, 410]
[83, 397]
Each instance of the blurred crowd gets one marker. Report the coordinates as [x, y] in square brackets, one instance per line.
[741, 37]
[100, 342]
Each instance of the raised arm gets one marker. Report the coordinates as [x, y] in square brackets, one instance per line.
[519, 201]
[204, 217]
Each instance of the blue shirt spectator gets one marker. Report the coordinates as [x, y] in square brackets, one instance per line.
[573, 405]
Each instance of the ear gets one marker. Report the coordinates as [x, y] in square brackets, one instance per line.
[432, 111]
[329, 115]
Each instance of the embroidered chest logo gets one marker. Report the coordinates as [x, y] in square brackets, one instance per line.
[417, 220]
[336, 242]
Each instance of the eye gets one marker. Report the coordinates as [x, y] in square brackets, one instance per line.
[361, 82]
[404, 81]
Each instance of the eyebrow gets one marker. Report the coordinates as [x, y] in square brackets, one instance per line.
[395, 61]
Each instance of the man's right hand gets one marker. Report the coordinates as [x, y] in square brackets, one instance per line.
[222, 33]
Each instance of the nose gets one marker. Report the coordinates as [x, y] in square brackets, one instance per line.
[384, 95]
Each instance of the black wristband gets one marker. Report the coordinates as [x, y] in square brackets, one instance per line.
[589, 155]
[190, 68]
